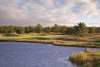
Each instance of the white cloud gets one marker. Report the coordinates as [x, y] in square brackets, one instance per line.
[10, 10]
[59, 11]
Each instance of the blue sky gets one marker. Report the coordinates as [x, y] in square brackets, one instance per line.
[49, 12]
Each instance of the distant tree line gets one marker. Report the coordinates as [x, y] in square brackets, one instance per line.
[79, 29]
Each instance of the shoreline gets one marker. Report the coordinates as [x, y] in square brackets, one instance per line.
[53, 43]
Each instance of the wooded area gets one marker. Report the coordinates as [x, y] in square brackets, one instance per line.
[79, 29]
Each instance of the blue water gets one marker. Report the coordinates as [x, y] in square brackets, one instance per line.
[19, 54]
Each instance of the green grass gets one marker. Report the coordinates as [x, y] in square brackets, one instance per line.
[65, 40]
[86, 59]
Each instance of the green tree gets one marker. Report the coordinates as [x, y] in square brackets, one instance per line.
[91, 30]
[80, 29]
[47, 29]
[20, 30]
[10, 29]
[38, 28]
[63, 29]
[28, 29]
[97, 29]
[55, 29]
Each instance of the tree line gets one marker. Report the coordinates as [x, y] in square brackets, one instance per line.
[79, 29]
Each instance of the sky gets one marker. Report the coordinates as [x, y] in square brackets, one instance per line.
[49, 12]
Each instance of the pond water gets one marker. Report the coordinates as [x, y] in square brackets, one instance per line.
[20, 54]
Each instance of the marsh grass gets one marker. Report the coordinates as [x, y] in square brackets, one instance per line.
[86, 59]
[63, 40]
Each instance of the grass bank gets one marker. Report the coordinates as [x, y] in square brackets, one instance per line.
[59, 40]
[86, 59]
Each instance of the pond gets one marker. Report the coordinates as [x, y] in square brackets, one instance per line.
[20, 54]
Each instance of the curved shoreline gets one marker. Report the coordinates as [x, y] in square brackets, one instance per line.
[53, 43]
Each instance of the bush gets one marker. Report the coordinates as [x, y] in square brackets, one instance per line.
[10, 34]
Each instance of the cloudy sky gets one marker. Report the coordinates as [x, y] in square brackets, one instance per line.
[49, 12]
